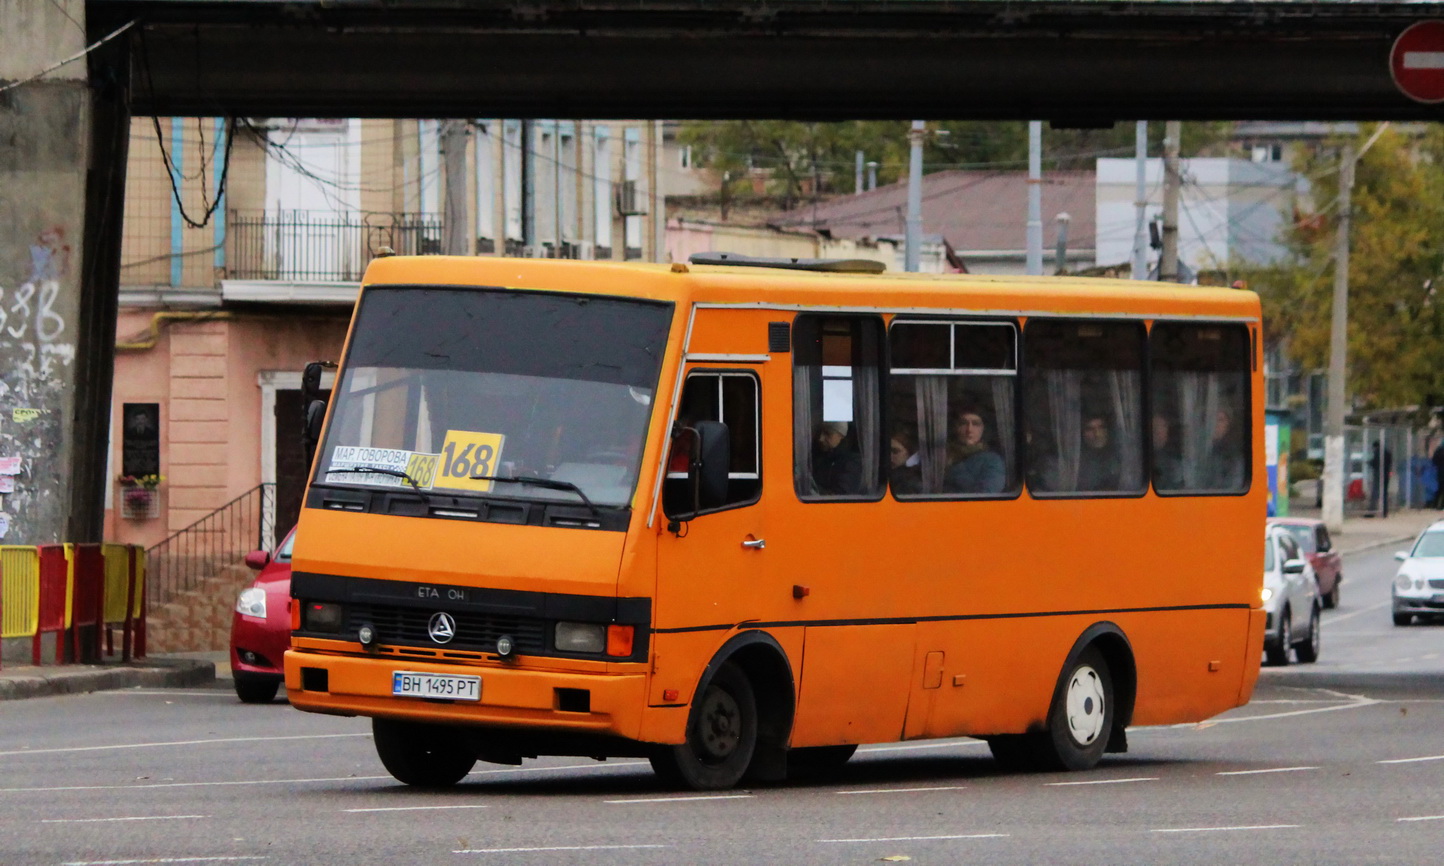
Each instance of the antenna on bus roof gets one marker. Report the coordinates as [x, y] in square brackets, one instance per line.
[836, 266]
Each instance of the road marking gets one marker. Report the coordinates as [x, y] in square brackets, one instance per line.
[1412, 760]
[904, 790]
[412, 808]
[102, 820]
[160, 860]
[1104, 781]
[1261, 772]
[680, 799]
[591, 766]
[174, 743]
[1423, 818]
[921, 838]
[1355, 702]
[1370, 609]
[908, 747]
[555, 848]
[1225, 829]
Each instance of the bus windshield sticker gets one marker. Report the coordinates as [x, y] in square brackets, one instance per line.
[402, 467]
[466, 454]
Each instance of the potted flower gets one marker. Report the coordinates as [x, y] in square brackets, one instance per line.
[138, 495]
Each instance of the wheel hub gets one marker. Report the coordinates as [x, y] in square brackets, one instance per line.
[719, 725]
[1085, 705]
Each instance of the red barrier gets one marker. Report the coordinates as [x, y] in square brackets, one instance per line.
[54, 595]
[88, 606]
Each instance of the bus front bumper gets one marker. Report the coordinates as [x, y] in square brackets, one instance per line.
[512, 695]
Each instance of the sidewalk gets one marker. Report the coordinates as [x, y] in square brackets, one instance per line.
[182, 670]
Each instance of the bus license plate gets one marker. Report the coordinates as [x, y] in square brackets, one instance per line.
[417, 685]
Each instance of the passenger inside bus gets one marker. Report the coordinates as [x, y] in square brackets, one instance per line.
[973, 467]
[1098, 466]
[1167, 465]
[1225, 455]
[836, 465]
[905, 474]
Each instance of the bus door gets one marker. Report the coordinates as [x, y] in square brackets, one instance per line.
[711, 563]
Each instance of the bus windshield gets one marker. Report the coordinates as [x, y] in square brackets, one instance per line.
[451, 390]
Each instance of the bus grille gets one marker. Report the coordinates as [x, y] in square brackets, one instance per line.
[478, 631]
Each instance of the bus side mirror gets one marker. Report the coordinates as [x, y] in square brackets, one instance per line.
[714, 456]
[311, 434]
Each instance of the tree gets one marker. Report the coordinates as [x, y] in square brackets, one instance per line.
[1396, 263]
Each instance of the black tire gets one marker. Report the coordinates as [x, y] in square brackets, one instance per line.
[817, 760]
[1308, 649]
[1331, 601]
[721, 736]
[256, 690]
[1277, 653]
[1403, 618]
[426, 756]
[1080, 721]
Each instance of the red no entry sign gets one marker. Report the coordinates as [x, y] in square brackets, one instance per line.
[1417, 61]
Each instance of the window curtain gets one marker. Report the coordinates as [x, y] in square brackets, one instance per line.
[1003, 421]
[867, 405]
[1198, 403]
[803, 429]
[1126, 394]
[932, 399]
[1065, 410]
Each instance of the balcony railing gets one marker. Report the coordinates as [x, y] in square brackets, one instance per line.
[306, 246]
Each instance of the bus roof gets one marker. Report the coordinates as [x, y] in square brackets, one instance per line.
[797, 289]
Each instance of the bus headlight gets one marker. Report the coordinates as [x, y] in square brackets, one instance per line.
[322, 616]
[252, 602]
[581, 637]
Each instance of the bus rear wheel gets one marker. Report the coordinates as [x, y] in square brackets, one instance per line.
[425, 756]
[1080, 721]
[721, 736]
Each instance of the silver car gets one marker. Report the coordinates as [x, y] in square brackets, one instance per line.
[1291, 599]
[1419, 587]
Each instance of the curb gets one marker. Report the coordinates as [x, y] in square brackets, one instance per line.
[71, 680]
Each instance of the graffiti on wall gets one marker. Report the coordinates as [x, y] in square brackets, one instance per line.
[36, 354]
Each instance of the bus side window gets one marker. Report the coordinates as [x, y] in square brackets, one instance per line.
[1200, 388]
[1083, 406]
[730, 397]
[838, 444]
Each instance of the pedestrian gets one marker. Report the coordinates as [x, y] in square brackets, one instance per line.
[1438, 461]
[1379, 469]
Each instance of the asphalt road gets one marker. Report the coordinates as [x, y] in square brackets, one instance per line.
[1336, 762]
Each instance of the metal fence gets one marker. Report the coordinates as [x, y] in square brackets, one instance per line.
[302, 245]
[211, 544]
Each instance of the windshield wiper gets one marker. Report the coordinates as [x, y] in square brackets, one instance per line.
[378, 470]
[549, 483]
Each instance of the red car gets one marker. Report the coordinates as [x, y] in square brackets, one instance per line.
[1313, 539]
[261, 626]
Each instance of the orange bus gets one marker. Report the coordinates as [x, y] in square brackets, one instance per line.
[740, 516]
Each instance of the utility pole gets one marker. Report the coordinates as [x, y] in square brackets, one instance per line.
[1035, 198]
[1140, 201]
[857, 175]
[454, 194]
[1168, 260]
[1334, 458]
[528, 188]
[1060, 248]
[914, 237]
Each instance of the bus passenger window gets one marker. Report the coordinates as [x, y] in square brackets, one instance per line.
[729, 397]
[1083, 406]
[1200, 392]
[838, 447]
[951, 398]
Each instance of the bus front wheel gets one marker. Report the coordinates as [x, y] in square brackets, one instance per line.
[426, 756]
[721, 736]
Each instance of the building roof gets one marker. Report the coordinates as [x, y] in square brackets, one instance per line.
[975, 211]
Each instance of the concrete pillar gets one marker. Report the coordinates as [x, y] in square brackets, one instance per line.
[62, 182]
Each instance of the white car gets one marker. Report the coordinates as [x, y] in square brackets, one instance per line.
[1419, 586]
[1291, 598]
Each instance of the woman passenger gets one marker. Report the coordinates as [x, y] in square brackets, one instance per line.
[972, 466]
[905, 474]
